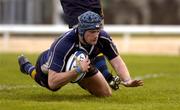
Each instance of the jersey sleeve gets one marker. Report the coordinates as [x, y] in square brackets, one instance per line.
[58, 53]
[108, 48]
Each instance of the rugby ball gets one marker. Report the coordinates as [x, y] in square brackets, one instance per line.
[72, 63]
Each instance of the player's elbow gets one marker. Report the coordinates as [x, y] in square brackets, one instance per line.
[52, 85]
[52, 81]
[107, 93]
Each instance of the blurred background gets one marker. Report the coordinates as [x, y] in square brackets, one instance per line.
[116, 12]
[141, 26]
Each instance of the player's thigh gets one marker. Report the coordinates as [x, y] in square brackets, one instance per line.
[96, 85]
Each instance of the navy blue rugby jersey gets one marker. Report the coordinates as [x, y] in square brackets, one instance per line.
[68, 43]
[74, 8]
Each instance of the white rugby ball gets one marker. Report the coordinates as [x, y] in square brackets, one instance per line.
[72, 63]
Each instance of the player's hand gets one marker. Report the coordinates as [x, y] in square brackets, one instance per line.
[84, 64]
[133, 83]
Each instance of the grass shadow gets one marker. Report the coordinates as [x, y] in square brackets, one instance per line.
[47, 96]
[60, 97]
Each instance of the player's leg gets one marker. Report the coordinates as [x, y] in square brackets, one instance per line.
[26, 67]
[96, 85]
[40, 76]
[101, 65]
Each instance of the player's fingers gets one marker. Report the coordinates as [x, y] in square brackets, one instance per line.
[136, 83]
[139, 83]
[87, 70]
[87, 59]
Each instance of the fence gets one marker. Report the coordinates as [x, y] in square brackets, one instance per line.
[29, 11]
[127, 31]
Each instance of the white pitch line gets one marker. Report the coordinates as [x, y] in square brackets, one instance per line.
[149, 76]
[8, 87]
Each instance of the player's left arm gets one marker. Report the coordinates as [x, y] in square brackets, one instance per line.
[122, 71]
[117, 62]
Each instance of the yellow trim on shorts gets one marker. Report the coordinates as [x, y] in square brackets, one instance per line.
[33, 74]
[100, 54]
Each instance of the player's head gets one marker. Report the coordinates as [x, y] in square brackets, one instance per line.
[89, 21]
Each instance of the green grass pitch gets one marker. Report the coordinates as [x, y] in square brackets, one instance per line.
[161, 75]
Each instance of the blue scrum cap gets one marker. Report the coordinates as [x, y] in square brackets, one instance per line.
[89, 21]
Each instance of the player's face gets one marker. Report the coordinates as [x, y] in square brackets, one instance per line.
[91, 36]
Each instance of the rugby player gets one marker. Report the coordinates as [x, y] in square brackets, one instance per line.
[89, 36]
[72, 9]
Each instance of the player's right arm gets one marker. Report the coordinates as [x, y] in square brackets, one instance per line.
[58, 79]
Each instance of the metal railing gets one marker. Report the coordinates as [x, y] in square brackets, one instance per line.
[29, 11]
[126, 30]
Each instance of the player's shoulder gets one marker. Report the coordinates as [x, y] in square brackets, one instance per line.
[104, 35]
[66, 40]
[71, 32]
[70, 35]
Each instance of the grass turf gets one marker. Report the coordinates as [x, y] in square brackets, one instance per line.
[161, 91]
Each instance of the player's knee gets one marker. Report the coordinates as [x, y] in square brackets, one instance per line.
[108, 93]
[104, 93]
[53, 86]
[54, 89]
